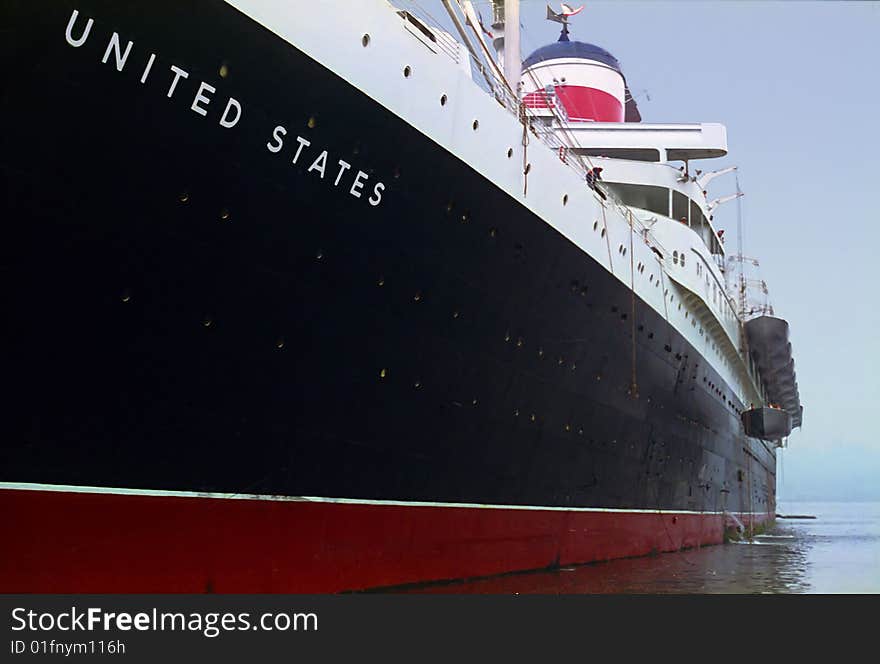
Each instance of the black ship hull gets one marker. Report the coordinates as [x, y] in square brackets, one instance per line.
[189, 311]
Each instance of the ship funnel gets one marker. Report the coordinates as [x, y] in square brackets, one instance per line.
[584, 79]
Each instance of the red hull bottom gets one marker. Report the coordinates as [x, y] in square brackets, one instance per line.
[71, 542]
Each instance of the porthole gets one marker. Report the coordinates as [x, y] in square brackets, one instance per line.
[602, 234]
[311, 122]
[509, 152]
[475, 124]
[443, 100]
[365, 40]
[407, 71]
[675, 257]
[595, 225]
[528, 168]
[565, 199]
[682, 260]
[493, 232]
[383, 373]
[224, 71]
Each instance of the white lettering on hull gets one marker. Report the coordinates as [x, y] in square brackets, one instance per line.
[232, 113]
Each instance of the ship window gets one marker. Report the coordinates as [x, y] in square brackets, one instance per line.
[475, 124]
[565, 199]
[509, 152]
[407, 71]
[646, 197]
[602, 233]
[595, 225]
[682, 259]
[680, 207]
[675, 257]
[365, 40]
[443, 100]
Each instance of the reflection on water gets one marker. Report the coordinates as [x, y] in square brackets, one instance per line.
[838, 552]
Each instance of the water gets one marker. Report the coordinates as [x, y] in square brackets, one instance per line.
[838, 552]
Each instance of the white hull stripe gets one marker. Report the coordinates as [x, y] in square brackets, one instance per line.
[68, 488]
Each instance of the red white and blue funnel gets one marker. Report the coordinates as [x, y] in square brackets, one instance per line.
[586, 80]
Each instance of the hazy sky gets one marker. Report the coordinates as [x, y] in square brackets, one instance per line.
[796, 85]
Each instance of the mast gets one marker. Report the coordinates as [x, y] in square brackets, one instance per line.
[506, 16]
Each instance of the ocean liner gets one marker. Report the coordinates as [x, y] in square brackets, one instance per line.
[301, 298]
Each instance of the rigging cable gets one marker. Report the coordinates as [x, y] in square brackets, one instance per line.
[634, 386]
